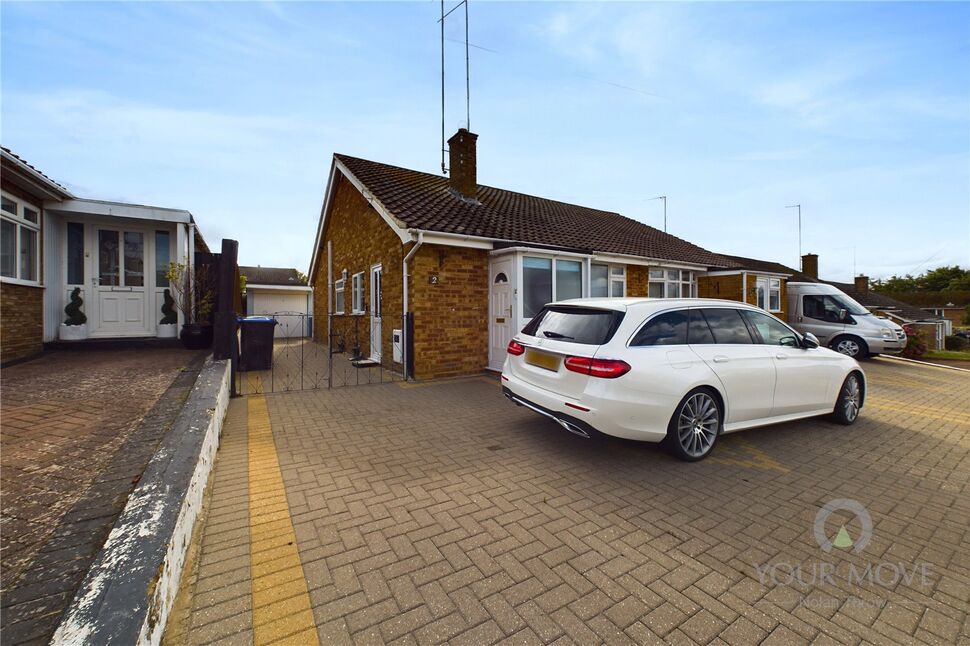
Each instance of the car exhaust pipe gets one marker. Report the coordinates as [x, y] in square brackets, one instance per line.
[569, 426]
[572, 428]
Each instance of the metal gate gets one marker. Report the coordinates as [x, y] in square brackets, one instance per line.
[337, 355]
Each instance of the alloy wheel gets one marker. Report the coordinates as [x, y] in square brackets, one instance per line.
[848, 347]
[851, 398]
[698, 424]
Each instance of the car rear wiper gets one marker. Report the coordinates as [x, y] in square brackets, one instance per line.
[555, 335]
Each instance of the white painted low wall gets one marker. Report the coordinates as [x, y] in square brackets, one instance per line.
[130, 589]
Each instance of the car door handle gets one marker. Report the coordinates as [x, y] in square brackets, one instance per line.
[720, 359]
[781, 356]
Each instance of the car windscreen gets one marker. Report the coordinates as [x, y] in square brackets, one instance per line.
[851, 306]
[584, 325]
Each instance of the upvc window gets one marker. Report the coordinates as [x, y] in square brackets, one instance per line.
[607, 280]
[774, 294]
[549, 279]
[671, 283]
[768, 294]
[338, 291]
[19, 240]
[357, 295]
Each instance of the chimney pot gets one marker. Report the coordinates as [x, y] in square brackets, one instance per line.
[463, 172]
[862, 284]
[810, 265]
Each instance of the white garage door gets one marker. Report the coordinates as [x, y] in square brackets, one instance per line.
[289, 309]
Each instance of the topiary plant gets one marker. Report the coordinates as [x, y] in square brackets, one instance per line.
[73, 310]
[168, 309]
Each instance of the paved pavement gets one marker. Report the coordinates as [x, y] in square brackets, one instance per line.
[78, 429]
[425, 513]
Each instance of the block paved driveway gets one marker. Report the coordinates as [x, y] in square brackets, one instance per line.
[78, 429]
[441, 512]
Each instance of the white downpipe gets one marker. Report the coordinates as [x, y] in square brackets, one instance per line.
[406, 275]
[744, 287]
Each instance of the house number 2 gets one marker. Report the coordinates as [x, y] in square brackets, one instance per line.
[433, 279]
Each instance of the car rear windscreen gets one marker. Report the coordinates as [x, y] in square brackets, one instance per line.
[574, 324]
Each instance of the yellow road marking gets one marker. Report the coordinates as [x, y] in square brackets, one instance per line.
[281, 602]
[888, 405]
[743, 453]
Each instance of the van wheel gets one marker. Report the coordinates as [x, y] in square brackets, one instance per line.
[849, 402]
[851, 346]
[695, 425]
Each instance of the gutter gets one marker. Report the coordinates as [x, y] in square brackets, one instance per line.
[405, 275]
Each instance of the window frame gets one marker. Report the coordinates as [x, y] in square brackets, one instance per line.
[357, 294]
[339, 291]
[774, 286]
[21, 223]
[665, 281]
[611, 276]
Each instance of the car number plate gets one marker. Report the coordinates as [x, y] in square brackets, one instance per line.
[542, 360]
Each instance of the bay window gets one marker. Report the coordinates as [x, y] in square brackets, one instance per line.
[549, 279]
[19, 240]
[671, 283]
[536, 284]
[569, 279]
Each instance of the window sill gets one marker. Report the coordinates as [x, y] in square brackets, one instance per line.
[24, 283]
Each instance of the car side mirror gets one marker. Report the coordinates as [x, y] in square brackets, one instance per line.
[810, 341]
[843, 314]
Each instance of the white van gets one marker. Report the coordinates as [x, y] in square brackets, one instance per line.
[840, 322]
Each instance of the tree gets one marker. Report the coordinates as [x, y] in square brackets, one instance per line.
[941, 279]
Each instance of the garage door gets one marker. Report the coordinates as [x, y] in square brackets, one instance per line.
[289, 309]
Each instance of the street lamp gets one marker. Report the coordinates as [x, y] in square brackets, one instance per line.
[799, 207]
[664, 198]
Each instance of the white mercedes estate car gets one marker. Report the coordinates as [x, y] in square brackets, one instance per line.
[677, 371]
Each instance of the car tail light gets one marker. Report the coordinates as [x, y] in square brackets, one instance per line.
[603, 368]
[515, 349]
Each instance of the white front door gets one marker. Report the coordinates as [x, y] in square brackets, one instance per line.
[500, 327]
[119, 283]
[375, 313]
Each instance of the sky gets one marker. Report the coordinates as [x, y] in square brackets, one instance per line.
[860, 112]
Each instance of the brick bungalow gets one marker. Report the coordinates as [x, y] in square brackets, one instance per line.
[25, 190]
[53, 242]
[480, 261]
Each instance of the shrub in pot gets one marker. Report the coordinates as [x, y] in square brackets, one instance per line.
[74, 327]
[168, 326]
[195, 303]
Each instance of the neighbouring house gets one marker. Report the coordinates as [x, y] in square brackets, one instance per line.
[480, 261]
[282, 293]
[758, 282]
[117, 254]
[23, 218]
[955, 314]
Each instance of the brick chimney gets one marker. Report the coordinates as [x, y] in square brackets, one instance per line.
[862, 284]
[810, 265]
[463, 175]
